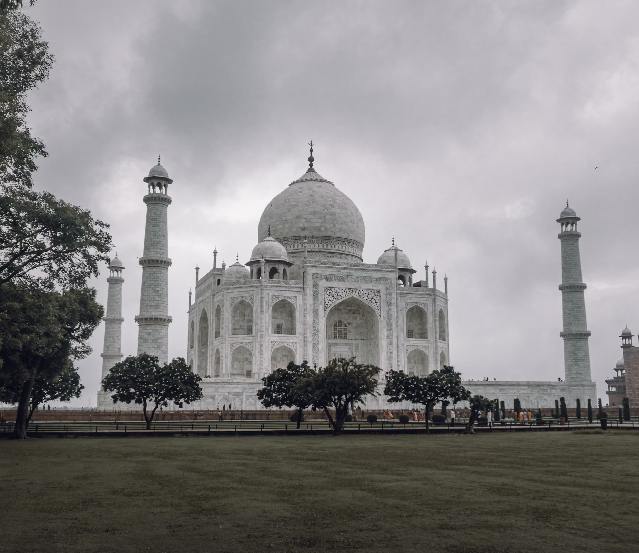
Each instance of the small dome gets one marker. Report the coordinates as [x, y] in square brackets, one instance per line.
[568, 212]
[236, 271]
[388, 258]
[269, 249]
[626, 332]
[619, 364]
[115, 263]
[158, 171]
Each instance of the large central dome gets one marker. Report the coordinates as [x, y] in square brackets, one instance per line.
[313, 216]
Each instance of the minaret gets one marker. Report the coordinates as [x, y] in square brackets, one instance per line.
[153, 320]
[111, 352]
[575, 333]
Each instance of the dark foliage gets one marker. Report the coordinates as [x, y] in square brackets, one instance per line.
[142, 380]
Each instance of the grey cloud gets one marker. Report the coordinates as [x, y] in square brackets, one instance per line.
[458, 127]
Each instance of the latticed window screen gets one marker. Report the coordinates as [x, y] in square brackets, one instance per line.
[340, 331]
[279, 328]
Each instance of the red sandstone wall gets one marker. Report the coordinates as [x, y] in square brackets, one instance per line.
[631, 364]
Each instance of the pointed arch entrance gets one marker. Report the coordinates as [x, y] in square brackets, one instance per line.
[352, 330]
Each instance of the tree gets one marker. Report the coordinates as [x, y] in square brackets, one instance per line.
[282, 388]
[339, 385]
[47, 242]
[62, 387]
[626, 409]
[478, 405]
[496, 410]
[589, 410]
[24, 63]
[42, 332]
[578, 409]
[517, 407]
[440, 385]
[563, 409]
[140, 379]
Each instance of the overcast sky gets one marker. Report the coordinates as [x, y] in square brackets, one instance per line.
[458, 127]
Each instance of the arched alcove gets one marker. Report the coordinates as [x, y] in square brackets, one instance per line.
[218, 321]
[242, 318]
[283, 317]
[203, 345]
[416, 323]
[192, 335]
[352, 330]
[281, 357]
[442, 325]
[242, 362]
[442, 360]
[273, 273]
[417, 363]
[217, 364]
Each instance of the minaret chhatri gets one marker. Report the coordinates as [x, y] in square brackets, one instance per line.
[153, 320]
[111, 352]
[575, 332]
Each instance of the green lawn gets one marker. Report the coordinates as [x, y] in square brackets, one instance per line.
[537, 492]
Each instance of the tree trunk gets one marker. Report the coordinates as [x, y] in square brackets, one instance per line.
[32, 409]
[329, 417]
[147, 419]
[299, 417]
[471, 421]
[426, 413]
[22, 415]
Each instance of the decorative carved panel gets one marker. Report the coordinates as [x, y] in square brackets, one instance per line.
[370, 296]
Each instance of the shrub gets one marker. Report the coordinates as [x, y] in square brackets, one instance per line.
[482, 421]
[404, 419]
[349, 418]
[371, 419]
[439, 419]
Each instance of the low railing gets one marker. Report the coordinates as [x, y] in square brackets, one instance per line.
[236, 426]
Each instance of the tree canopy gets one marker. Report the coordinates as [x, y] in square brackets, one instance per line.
[440, 385]
[340, 385]
[24, 63]
[140, 379]
[42, 332]
[47, 242]
[283, 388]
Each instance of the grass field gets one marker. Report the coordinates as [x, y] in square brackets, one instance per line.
[565, 492]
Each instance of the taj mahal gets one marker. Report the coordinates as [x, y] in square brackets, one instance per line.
[306, 293]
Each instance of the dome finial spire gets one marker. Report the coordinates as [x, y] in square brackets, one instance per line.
[269, 230]
[393, 241]
[158, 159]
[311, 159]
[567, 203]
